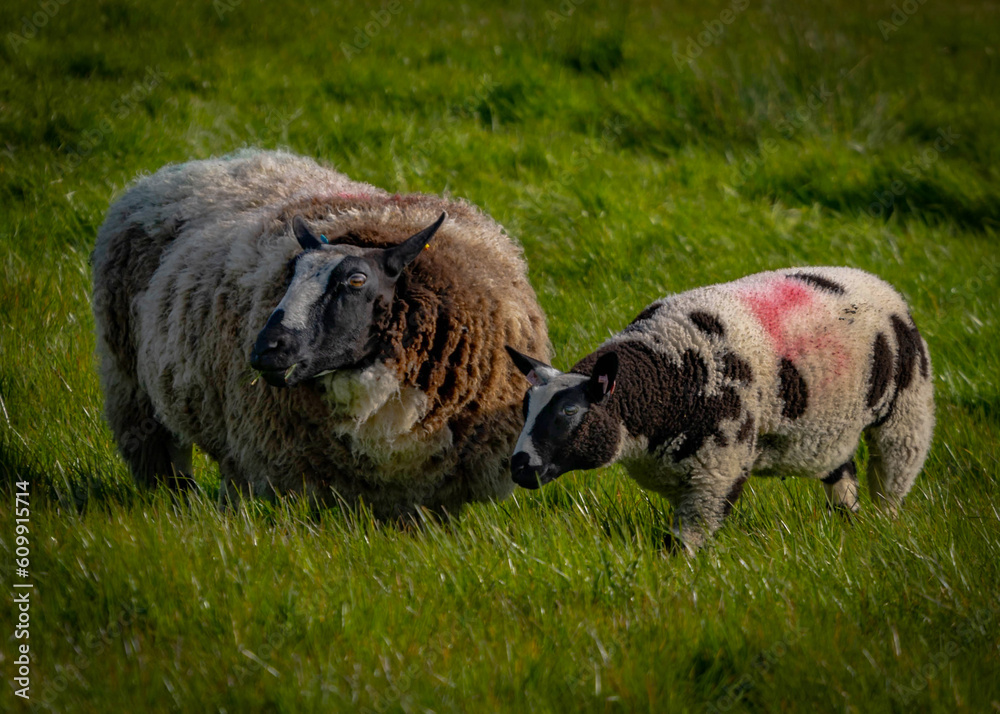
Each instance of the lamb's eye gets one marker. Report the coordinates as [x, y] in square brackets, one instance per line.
[570, 410]
[357, 280]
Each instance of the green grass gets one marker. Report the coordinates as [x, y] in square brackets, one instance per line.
[619, 169]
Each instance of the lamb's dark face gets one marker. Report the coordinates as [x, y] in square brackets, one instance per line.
[327, 318]
[567, 424]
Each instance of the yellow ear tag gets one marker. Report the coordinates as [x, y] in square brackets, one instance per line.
[427, 246]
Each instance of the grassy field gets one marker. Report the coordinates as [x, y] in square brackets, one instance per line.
[864, 134]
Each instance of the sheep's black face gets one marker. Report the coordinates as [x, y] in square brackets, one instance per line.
[567, 423]
[327, 319]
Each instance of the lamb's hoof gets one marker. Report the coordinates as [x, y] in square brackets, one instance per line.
[845, 512]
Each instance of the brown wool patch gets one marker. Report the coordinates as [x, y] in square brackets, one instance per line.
[818, 281]
[660, 399]
[881, 373]
[707, 323]
[792, 390]
[594, 442]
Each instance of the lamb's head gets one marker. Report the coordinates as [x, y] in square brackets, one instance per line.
[567, 423]
[327, 319]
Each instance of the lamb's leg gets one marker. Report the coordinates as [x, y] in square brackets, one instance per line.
[841, 486]
[154, 455]
[700, 509]
[898, 447]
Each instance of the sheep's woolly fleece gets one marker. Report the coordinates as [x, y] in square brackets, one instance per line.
[188, 266]
[777, 373]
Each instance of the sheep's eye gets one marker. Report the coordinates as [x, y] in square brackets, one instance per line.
[570, 410]
[357, 280]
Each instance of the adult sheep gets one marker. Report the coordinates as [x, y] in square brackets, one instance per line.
[399, 392]
[777, 373]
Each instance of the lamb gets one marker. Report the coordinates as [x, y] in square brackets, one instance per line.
[384, 378]
[777, 373]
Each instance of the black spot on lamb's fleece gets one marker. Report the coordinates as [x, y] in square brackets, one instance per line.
[709, 324]
[793, 390]
[848, 470]
[909, 347]
[734, 495]
[647, 313]
[820, 282]
[736, 368]
[881, 373]
[661, 400]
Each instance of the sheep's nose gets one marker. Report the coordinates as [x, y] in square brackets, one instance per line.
[275, 347]
[524, 474]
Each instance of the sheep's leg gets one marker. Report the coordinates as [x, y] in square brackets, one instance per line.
[898, 447]
[154, 455]
[841, 486]
[700, 509]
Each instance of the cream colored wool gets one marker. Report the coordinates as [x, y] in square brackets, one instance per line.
[188, 266]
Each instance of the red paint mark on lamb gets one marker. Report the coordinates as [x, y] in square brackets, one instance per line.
[782, 307]
[772, 305]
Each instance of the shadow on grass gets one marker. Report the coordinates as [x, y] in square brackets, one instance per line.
[75, 487]
[886, 192]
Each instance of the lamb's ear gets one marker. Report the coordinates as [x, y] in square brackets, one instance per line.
[398, 257]
[537, 373]
[603, 378]
[307, 239]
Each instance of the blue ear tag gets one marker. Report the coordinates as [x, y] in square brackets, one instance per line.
[324, 239]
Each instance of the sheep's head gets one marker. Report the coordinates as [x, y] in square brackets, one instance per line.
[567, 424]
[327, 318]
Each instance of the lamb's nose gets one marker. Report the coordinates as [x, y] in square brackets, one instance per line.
[521, 470]
[519, 461]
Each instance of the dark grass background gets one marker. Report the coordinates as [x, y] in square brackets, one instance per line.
[803, 133]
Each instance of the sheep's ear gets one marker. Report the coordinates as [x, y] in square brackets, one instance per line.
[537, 373]
[400, 256]
[307, 239]
[603, 378]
